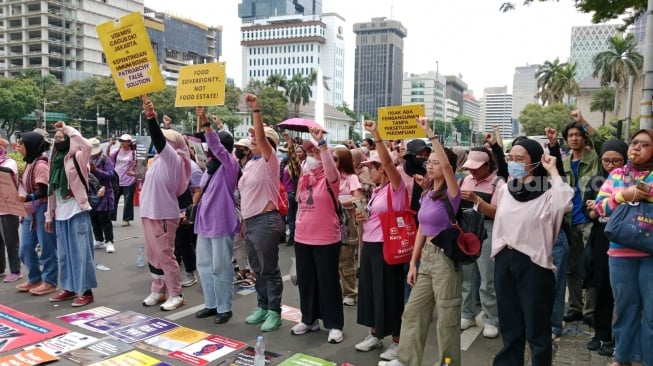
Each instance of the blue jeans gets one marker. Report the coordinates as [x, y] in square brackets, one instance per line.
[76, 254]
[560, 257]
[632, 286]
[216, 271]
[485, 266]
[27, 251]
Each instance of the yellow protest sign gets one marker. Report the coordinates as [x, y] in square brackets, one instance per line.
[400, 122]
[130, 56]
[201, 85]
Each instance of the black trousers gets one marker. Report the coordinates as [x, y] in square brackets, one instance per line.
[604, 306]
[525, 295]
[128, 208]
[102, 226]
[320, 296]
[185, 241]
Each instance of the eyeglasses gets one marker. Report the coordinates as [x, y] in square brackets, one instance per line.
[431, 162]
[616, 161]
[642, 143]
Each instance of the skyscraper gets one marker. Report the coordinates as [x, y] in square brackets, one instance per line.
[258, 9]
[427, 89]
[56, 37]
[524, 88]
[497, 110]
[379, 63]
[587, 41]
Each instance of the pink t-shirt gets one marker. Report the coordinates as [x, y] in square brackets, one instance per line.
[317, 222]
[259, 185]
[159, 193]
[349, 183]
[378, 204]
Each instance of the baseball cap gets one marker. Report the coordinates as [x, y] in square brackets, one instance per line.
[269, 133]
[125, 137]
[95, 146]
[244, 143]
[476, 159]
[414, 147]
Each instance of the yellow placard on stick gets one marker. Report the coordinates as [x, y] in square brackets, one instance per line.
[201, 85]
[130, 56]
[400, 122]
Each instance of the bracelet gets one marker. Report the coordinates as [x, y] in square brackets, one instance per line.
[31, 196]
[206, 124]
[256, 111]
[378, 141]
[432, 137]
[323, 142]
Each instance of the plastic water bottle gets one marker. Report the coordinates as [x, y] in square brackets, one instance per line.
[259, 352]
[140, 258]
[447, 361]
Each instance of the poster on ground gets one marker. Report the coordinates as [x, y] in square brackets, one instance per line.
[130, 56]
[201, 85]
[28, 358]
[98, 351]
[400, 122]
[139, 331]
[299, 359]
[81, 317]
[116, 321]
[19, 329]
[246, 357]
[207, 350]
[63, 343]
[131, 358]
[171, 341]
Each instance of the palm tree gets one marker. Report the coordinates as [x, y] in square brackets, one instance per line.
[618, 62]
[277, 81]
[564, 82]
[545, 77]
[603, 100]
[299, 90]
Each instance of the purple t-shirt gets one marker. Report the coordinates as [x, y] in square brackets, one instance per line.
[123, 162]
[159, 192]
[433, 216]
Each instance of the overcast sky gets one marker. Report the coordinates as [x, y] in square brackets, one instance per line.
[468, 37]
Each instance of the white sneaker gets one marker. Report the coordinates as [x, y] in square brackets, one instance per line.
[173, 302]
[98, 245]
[390, 353]
[467, 323]
[302, 328]
[349, 301]
[369, 343]
[335, 336]
[110, 247]
[188, 280]
[394, 362]
[154, 298]
[490, 331]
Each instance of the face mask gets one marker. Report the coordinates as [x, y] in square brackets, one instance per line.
[62, 146]
[312, 163]
[365, 150]
[240, 153]
[2, 150]
[517, 170]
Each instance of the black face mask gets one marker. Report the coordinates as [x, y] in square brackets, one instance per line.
[240, 154]
[62, 146]
[414, 165]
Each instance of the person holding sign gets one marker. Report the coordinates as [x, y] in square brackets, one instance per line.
[68, 206]
[165, 180]
[9, 223]
[33, 192]
[259, 190]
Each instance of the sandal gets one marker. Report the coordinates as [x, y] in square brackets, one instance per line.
[239, 277]
[249, 282]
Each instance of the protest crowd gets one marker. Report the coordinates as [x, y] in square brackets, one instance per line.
[397, 229]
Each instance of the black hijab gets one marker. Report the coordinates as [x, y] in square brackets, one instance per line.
[616, 145]
[35, 145]
[527, 191]
[227, 140]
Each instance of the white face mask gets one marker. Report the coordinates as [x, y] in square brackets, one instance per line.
[312, 163]
[365, 150]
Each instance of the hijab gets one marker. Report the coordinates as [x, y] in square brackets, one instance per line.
[647, 166]
[617, 146]
[176, 141]
[35, 145]
[58, 178]
[3, 150]
[527, 191]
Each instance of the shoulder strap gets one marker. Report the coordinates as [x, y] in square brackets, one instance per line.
[79, 172]
[333, 198]
[449, 209]
[495, 182]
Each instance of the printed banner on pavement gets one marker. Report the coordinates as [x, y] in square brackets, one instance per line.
[19, 329]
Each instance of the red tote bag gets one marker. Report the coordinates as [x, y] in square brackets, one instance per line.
[399, 231]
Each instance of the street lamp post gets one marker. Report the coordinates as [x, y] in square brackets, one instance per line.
[45, 121]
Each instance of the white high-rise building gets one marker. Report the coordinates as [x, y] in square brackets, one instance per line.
[524, 88]
[296, 44]
[497, 110]
[427, 89]
[587, 41]
[472, 108]
[56, 37]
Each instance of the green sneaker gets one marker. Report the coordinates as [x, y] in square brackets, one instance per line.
[258, 316]
[272, 321]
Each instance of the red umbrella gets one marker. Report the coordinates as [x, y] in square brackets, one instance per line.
[300, 124]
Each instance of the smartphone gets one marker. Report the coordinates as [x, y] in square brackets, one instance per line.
[359, 206]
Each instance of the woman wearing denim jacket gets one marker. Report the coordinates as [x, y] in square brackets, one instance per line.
[631, 271]
[68, 206]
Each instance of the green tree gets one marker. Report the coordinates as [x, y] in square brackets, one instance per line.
[299, 90]
[232, 97]
[564, 81]
[18, 98]
[618, 62]
[546, 77]
[274, 106]
[463, 125]
[534, 117]
[603, 100]
[277, 81]
[344, 108]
